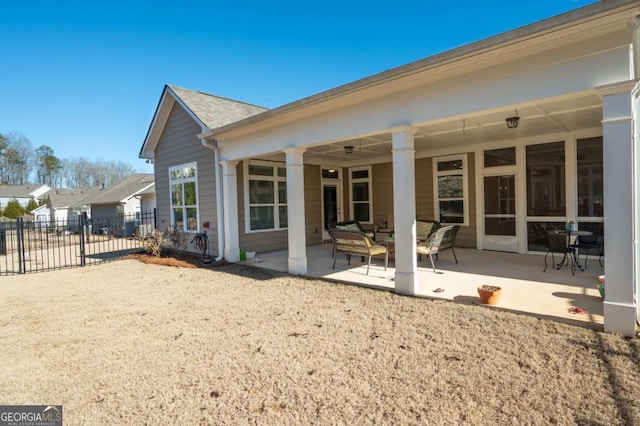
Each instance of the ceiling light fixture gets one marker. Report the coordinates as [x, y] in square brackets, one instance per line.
[348, 149]
[512, 122]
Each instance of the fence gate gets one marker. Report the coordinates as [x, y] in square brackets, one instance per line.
[29, 246]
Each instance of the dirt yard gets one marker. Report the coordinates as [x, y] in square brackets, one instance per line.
[134, 343]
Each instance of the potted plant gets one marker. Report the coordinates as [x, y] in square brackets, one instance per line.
[569, 226]
[600, 285]
[489, 294]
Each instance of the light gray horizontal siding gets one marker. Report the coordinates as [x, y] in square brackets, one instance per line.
[313, 204]
[382, 188]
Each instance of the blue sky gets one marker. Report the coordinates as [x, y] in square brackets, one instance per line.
[84, 77]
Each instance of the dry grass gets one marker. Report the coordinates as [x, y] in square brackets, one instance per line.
[135, 343]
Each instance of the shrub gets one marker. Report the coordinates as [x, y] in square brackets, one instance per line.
[152, 243]
[33, 204]
[13, 209]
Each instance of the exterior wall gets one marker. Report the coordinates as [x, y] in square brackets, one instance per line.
[256, 241]
[178, 145]
[103, 210]
[148, 202]
[425, 198]
[382, 188]
[313, 204]
[60, 215]
[278, 240]
[42, 217]
[424, 189]
[132, 206]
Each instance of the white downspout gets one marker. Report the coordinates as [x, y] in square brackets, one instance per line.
[219, 202]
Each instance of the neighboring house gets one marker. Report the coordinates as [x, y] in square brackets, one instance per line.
[505, 137]
[66, 204]
[124, 200]
[22, 193]
[125, 196]
[42, 216]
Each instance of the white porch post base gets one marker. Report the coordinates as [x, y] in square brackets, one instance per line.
[298, 265]
[405, 283]
[232, 255]
[620, 318]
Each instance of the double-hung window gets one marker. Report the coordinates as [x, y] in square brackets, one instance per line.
[451, 189]
[360, 193]
[266, 200]
[183, 181]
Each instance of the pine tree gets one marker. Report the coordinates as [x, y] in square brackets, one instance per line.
[13, 209]
[33, 204]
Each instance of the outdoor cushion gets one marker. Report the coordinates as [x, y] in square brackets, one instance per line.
[348, 227]
[423, 229]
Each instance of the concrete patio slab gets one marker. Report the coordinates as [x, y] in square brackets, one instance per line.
[526, 289]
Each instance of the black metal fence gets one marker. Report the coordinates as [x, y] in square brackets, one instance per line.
[36, 246]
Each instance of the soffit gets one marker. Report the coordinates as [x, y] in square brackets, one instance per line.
[550, 117]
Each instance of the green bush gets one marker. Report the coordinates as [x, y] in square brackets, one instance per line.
[33, 204]
[13, 209]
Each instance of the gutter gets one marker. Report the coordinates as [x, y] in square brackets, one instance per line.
[219, 202]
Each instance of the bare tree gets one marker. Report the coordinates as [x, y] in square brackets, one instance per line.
[21, 164]
[16, 157]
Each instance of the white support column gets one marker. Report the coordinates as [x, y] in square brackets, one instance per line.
[621, 220]
[230, 196]
[295, 211]
[404, 209]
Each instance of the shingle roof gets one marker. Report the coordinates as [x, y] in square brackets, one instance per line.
[215, 111]
[124, 189]
[18, 191]
[72, 198]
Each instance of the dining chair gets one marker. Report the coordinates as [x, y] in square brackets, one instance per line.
[590, 242]
[558, 242]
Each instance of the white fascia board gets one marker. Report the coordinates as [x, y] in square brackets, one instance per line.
[158, 122]
[40, 190]
[124, 200]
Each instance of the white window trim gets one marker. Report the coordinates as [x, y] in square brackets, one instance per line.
[369, 180]
[276, 201]
[183, 180]
[465, 185]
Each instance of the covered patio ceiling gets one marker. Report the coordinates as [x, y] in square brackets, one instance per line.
[570, 114]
